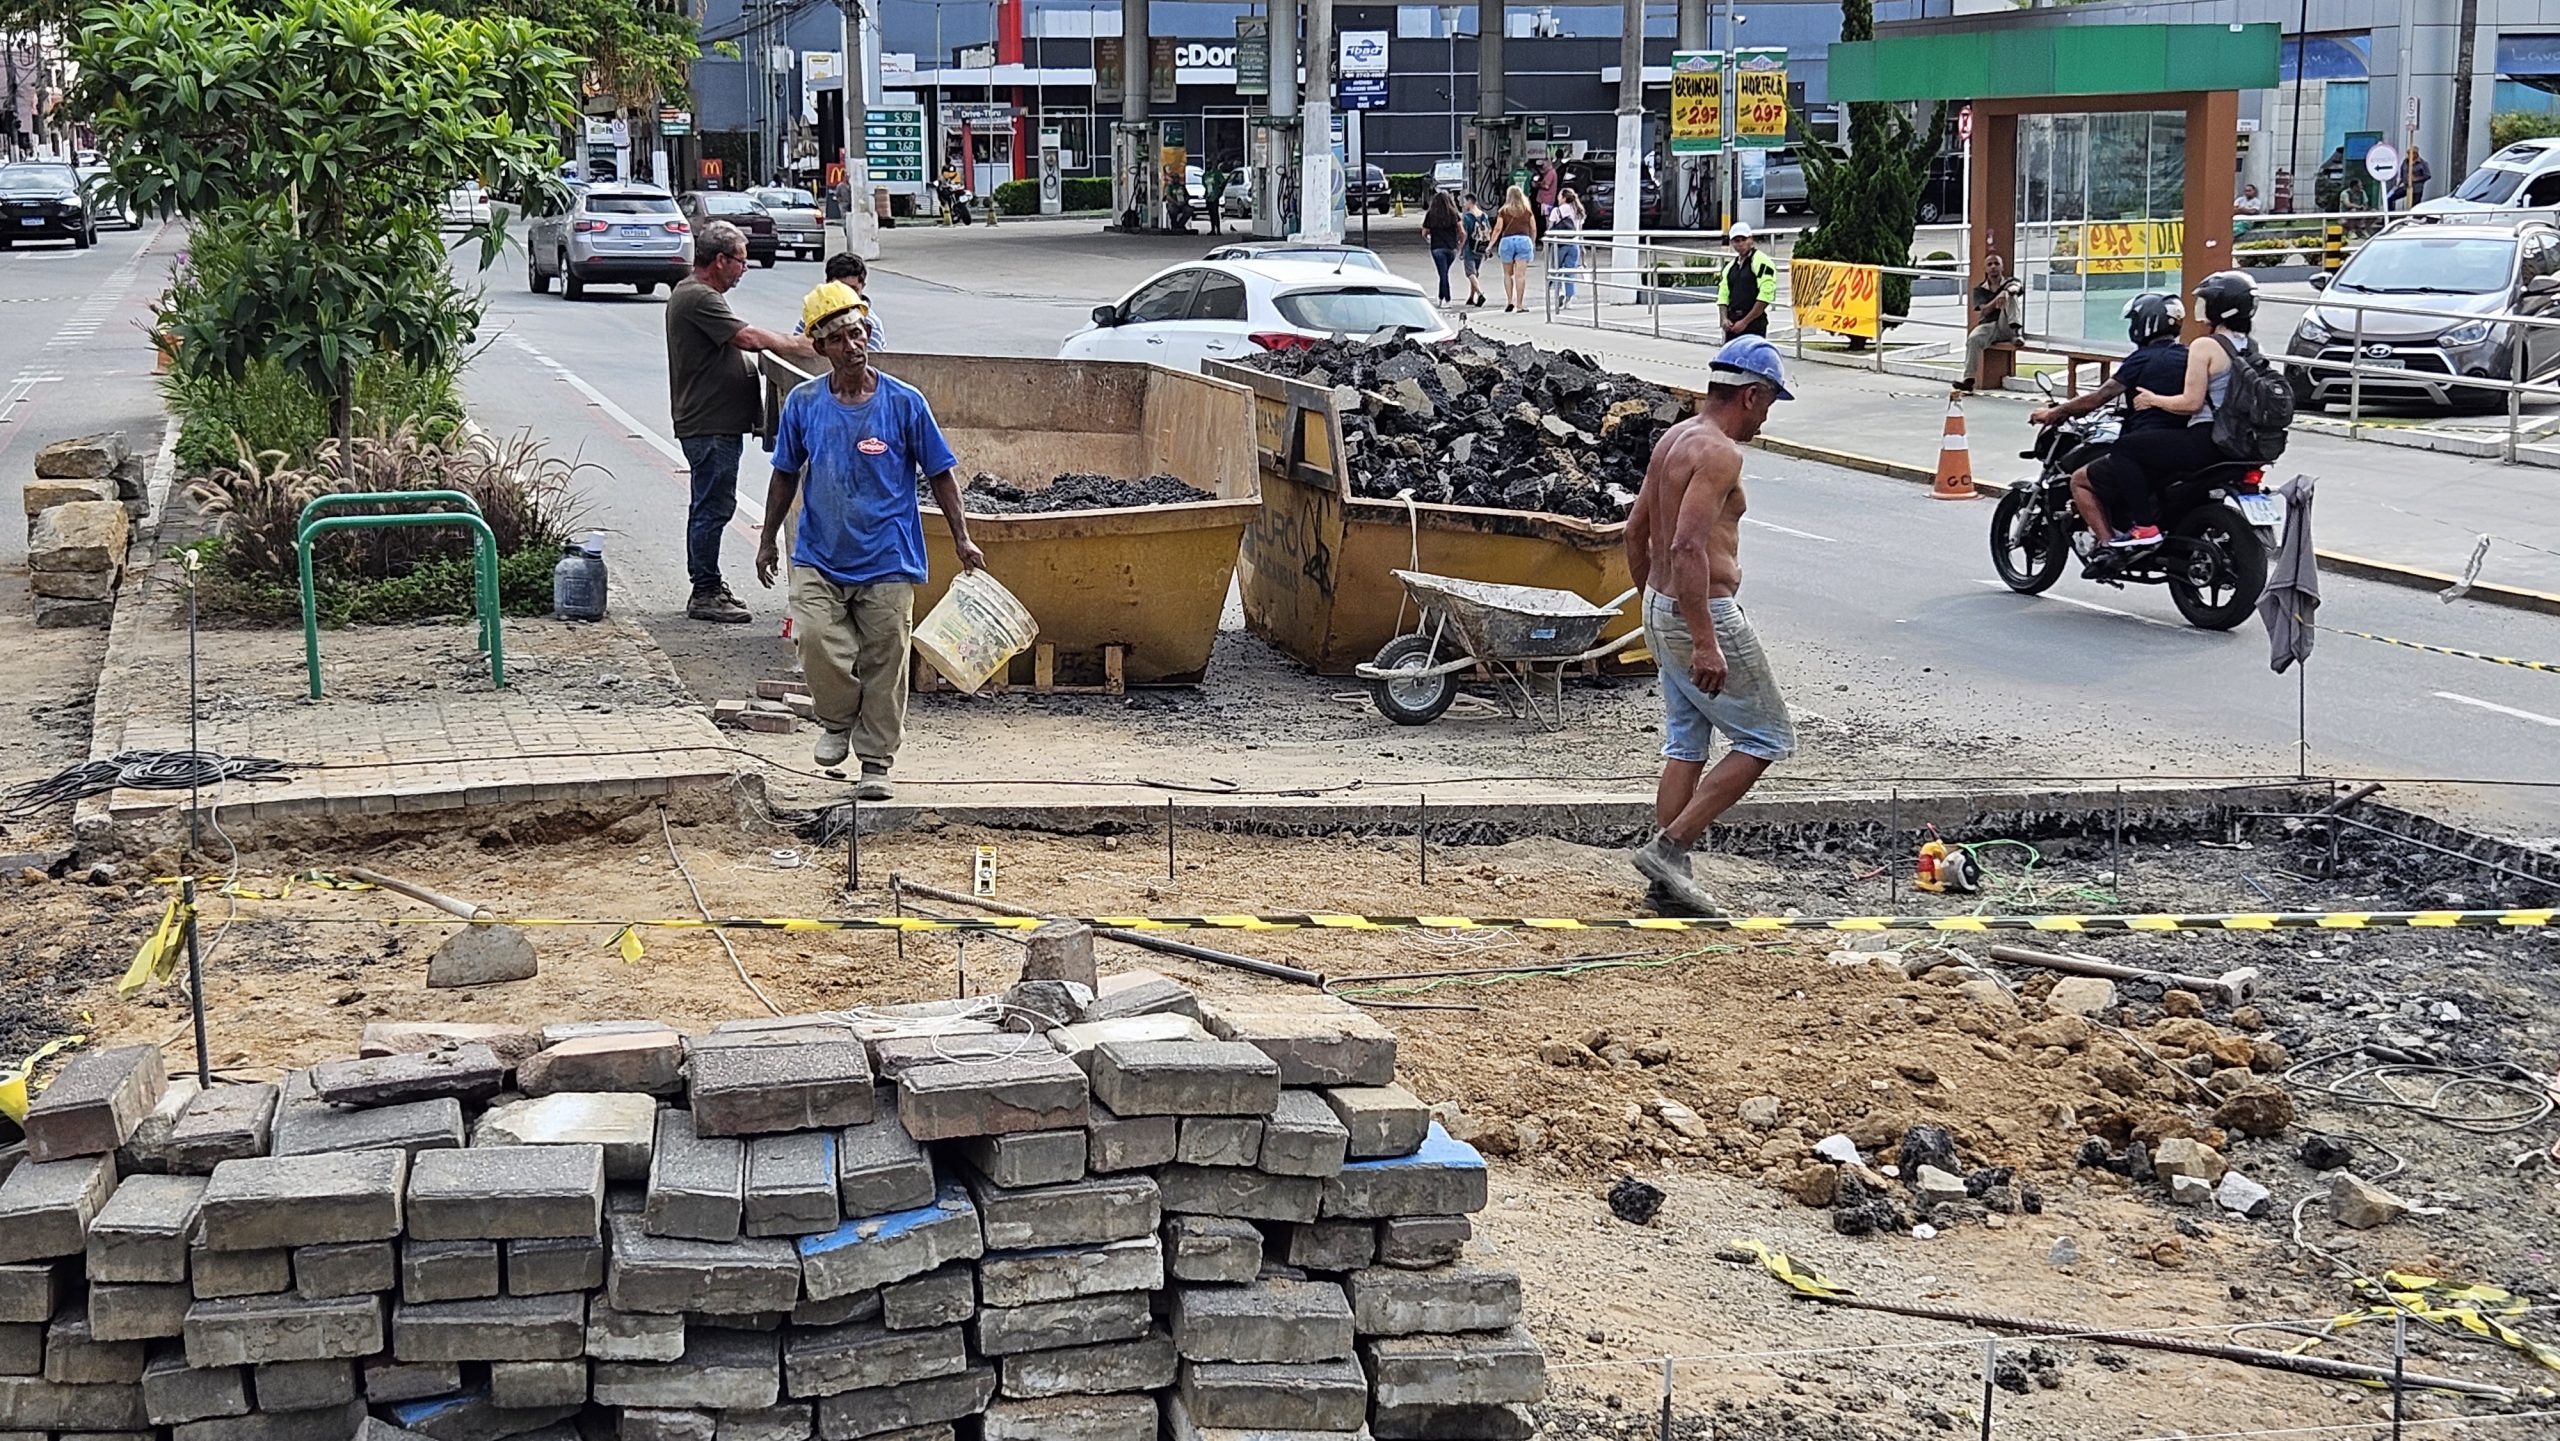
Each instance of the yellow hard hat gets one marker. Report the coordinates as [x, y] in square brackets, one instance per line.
[830, 302]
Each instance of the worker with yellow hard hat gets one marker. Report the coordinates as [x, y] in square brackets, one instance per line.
[851, 446]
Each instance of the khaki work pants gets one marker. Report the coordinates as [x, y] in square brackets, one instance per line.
[853, 653]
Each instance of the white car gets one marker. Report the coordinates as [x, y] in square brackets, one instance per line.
[1231, 309]
[2524, 176]
[465, 206]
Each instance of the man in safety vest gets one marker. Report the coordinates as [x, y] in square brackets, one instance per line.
[1749, 288]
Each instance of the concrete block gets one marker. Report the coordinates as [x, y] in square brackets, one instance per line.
[836, 1310]
[791, 1184]
[1238, 1192]
[333, 1423]
[97, 1100]
[1070, 1418]
[632, 1335]
[1270, 1320]
[669, 1274]
[697, 1184]
[258, 1330]
[305, 1125]
[122, 1311]
[1389, 1302]
[21, 1349]
[650, 1062]
[386, 1381]
[303, 1385]
[505, 1328]
[897, 1411]
[531, 1385]
[214, 1275]
[1061, 951]
[433, 1271]
[1417, 1242]
[1141, 993]
[1145, 1364]
[1027, 1158]
[1219, 1141]
[624, 1123]
[28, 1292]
[31, 1403]
[880, 1168]
[284, 1201]
[1317, 1039]
[1023, 1278]
[482, 954]
[86, 457]
[872, 1251]
[225, 1123]
[75, 1355]
[1212, 1248]
[79, 535]
[1303, 1137]
[1381, 1120]
[1178, 1426]
[551, 1264]
[945, 1296]
[1114, 1142]
[973, 1044]
[473, 1416]
[790, 1421]
[512, 1044]
[1079, 1213]
[1445, 1178]
[864, 1356]
[1076, 1042]
[1464, 1422]
[1048, 1325]
[1333, 1245]
[470, 1072]
[46, 1207]
[758, 1089]
[506, 1193]
[1184, 1078]
[1030, 1091]
[146, 1151]
[174, 1392]
[1319, 1396]
[556, 1032]
[720, 1369]
[142, 1233]
[348, 1268]
[1493, 1368]
[652, 1423]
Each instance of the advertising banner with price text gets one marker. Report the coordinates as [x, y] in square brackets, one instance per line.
[1697, 102]
[1841, 298]
[1759, 98]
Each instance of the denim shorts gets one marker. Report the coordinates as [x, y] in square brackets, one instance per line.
[1750, 712]
[1515, 248]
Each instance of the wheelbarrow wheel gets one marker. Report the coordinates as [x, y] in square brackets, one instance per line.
[1416, 699]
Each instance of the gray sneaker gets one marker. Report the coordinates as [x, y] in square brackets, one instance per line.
[874, 785]
[1669, 874]
[833, 747]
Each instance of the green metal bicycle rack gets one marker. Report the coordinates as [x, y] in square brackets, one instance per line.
[484, 561]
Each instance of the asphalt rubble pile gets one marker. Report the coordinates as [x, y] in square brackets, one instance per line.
[1475, 422]
[1095, 1210]
[990, 494]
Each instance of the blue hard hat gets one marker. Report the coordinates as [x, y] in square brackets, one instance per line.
[1747, 358]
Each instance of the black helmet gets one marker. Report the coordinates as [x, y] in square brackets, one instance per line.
[2226, 297]
[2151, 315]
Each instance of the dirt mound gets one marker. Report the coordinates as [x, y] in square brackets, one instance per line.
[991, 494]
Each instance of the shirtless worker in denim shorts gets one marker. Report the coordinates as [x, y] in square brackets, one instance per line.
[1684, 546]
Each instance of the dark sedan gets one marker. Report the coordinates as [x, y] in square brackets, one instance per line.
[43, 202]
[764, 242]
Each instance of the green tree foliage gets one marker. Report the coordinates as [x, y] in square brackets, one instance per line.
[636, 51]
[2509, 126]
[1868, 199]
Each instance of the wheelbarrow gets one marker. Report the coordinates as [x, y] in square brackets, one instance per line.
[1524, 634]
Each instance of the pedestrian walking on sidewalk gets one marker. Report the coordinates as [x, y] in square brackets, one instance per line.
[1995, 316]
[1566, 220]
[716, 397]
[1442, 228]
[1476, 230]
[1515, 240]
[852, 444]
[1684, 547]
[1749, 286]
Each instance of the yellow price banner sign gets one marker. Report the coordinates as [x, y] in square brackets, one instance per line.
[2131, 247]
[1697, 102]
[1760, 98]
[1838, 297]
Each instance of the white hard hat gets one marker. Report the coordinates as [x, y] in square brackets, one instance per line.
[1740, 231]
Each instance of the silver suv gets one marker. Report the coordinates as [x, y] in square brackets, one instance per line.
[613, 234]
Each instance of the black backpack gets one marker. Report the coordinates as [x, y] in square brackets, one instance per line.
[2256, 409]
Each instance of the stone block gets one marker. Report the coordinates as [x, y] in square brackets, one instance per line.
[668, 1274]
[224, 1123]
[303, 1385]
[1219, 1141]
[979, 1045]
[1079, 1213]
[469, 1072]
[1389, 1302]
[507, 1193]
[1141, 993]
[1030, 1091]
[1333, 1245]
[43, 493]
[720, 1369]
[505, 1328]
[21, 1349]
[945, 1296]
[758, 1089]
[862, 1356]
[259, 1330]
[79, 535]
[333, 1423]
[624, 1123]
[556, 1032]
[1027, 1158]
[1381, 1120]
[697, 1184]
[650, 1062]
[632, 1335]
[880, 1168]
[654, 1423]
[1271, 1320]
[894, 1412]
[1316, 1039]
[97, 1100]
[1489, 1368]
[285, 1201]
[1241, 1193]
[1184, 1078]
[75, 1355]
[836, 1310]
[790, 1421]
[86, 457]
[1417, 1242]
[791, 1185]
[56, 613]
[531, 1385]
[1076, 1042]
[1319, 1396]
[473, 1416]
[28, 1292]
[513, 1044]
[305, 1125]
[1061, 951]
[1303, 1137]
[1115, 1142]
[174, 1392]
[214, 1275]
[125, 1311]
[31, 1403]
[1024, 1278]
[551, 1264]
[142, 1233]
[1486, 1421]
[146, 1151]
[46, 1207]
[1070, 1418]
[868, 1252]
[1212, 1248]
[1048, 1325]
[482, 954]
[348, 1268]
[1445, 1178]
[433, 1271]
[97, 587]
[1145, 1364]
[387, 1381]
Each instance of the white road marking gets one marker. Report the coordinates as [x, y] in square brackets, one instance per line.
[1788, 530]
[2100, 609]
[2507, 710]
[750, 512]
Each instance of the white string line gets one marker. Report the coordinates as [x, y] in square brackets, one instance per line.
[2411, 1423]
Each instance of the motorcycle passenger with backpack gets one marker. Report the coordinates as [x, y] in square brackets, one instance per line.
[2169, 483]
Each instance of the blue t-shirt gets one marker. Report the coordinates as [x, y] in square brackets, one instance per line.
[860, 523]
[2160, 368]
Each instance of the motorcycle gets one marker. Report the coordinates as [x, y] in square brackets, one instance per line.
[955, 199]
[2223, 527]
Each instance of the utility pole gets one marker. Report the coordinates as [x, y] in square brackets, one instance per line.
[861, 232]
[1626, 214]
[1315, 133]
[2458, 144]
[1690, 28]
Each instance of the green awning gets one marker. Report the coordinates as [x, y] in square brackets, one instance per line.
[2017, 62]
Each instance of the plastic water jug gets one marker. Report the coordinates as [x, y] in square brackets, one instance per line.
[578, 581]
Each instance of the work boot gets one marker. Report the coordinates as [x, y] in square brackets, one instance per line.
[717, 606]
[874, 785]
[833, 747]
[1665, 863]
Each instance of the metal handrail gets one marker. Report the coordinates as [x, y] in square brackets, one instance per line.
[484, 555]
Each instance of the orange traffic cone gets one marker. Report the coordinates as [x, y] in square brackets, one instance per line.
[1954, 480]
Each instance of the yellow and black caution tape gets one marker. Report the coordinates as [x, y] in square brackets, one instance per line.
[13, 1081]
[231, 887]
[157, 961]
[2545, 666]
[2478, 1309]
[1804, 1283]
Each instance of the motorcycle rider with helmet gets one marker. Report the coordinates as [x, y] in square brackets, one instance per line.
[2113, 485]
[2228, 301]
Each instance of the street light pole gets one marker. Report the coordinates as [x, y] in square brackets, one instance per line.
[1449, 28]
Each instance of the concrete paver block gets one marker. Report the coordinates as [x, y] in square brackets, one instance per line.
[1333, 1245]
[258, 1330]
[1241, 1193]
[482, 954]
[836, 1310]
[1380, 1120]
[863, 1355]
[31, 1403]
[546, 1265]
[214, 1275]
[21, 1349]
[1049, 1325]
[1493, 1368]
[303, 1385]
[97, 1100]
[897, 1411]
[28, 1291]
[142, 1233]
[667, 1274]
[146, 1151]
[1141, 993]
[1114, 1142]
[330, 1423]
[46, 1207]
[624, 1123]
[223, 1123]
[507, 1193]
[1445, 1178]
[285, 1201]
[1417, 1242]
[174, 1392]
[632, 1335]
[697, 1184]
[399, 1038]
[1273, 1320]
[1061, 951]
[1219, 1141]
[650, 1062]
[347, 1268]
[790, 1421]
[1027, 1091]
[469, 1072]
[757, 1089]
[1303, 1137]
[872, 1251]
[658, 1423]
[1070, 1418]
[1079, 1213]
[386, 1381]
[721, 1369]
[1184, 1078]
[531, 1385]
[305, 1125]
[1212, 1248]
[75, 1355]
[1023, 1278]
[432, 1271]
[122, 1311]
[1478, 1421]
[1317, 1396]
[961, 1044]
[1027, 1158]
[1389, 1302]
[503, 1328]
[1076, 1042]
[791, 1184]
[1317, 1039]
[944, 1296]
[880, 1168]
[1145, 1364]
[471, 1415]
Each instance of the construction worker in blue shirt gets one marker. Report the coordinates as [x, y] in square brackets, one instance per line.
[1749, 287]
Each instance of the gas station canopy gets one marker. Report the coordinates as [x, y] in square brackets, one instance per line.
[2053, 61]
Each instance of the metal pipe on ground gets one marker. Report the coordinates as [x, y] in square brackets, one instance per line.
[437, 899]
[1160, 944]
[2232, 987]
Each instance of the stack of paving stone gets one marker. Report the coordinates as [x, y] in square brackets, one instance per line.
[1093, 1211]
